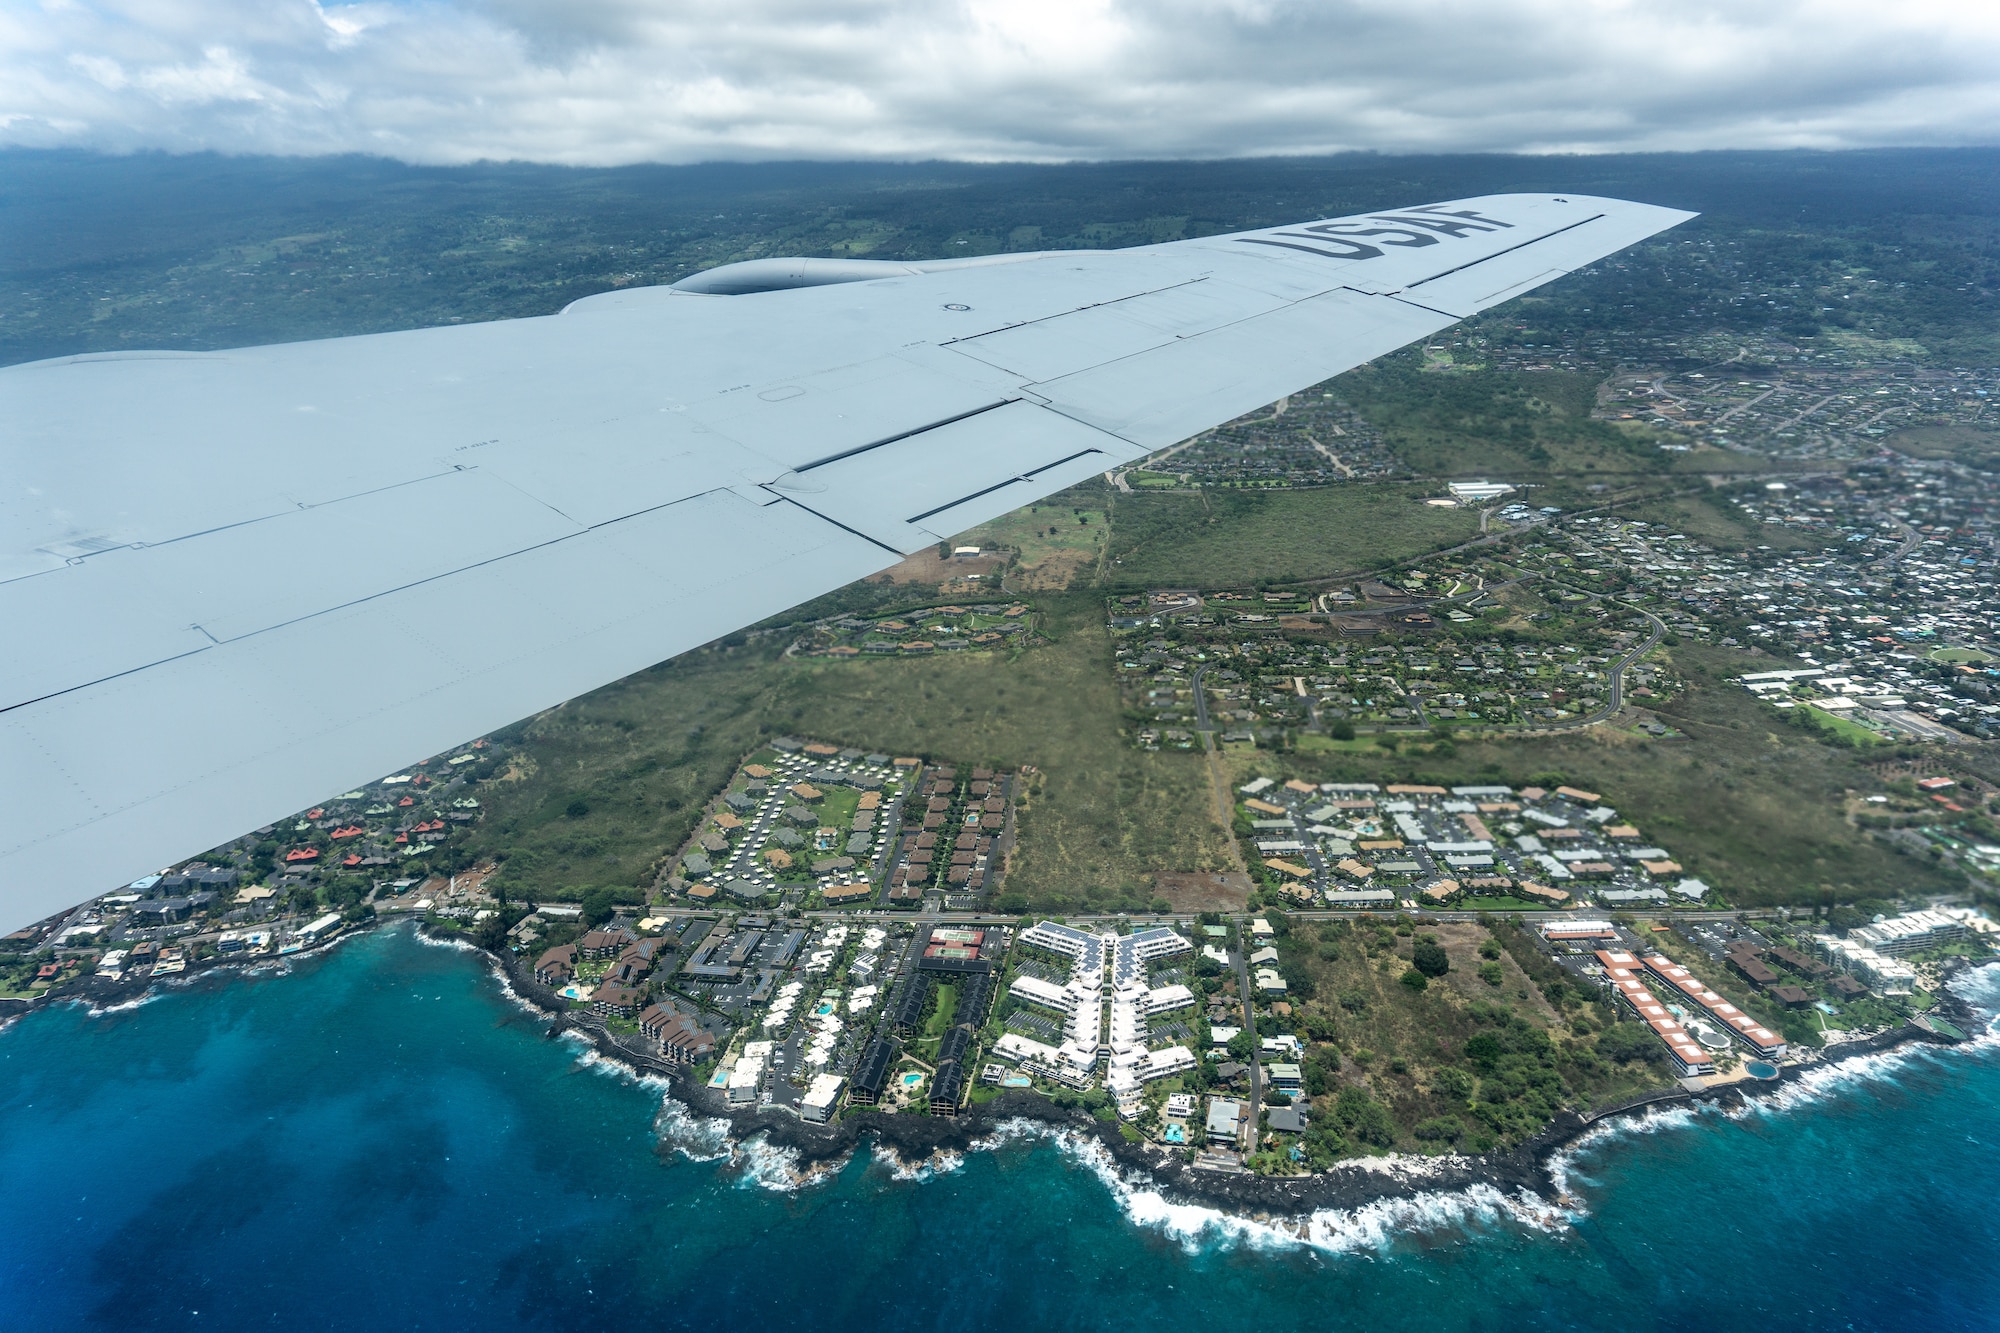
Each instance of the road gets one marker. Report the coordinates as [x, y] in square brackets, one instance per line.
[1237, 960]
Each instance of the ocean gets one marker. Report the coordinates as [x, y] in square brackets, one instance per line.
[381, 1138]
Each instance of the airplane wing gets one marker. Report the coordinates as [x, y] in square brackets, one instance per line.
[234, 582]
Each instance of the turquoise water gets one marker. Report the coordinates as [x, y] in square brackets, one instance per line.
[381, 1140]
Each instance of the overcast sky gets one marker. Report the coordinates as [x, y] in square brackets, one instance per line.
[620, 81]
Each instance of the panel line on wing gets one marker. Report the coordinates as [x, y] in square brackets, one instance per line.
[844, 528]
[1508, 251]
[1064, 314]
[901, 435]
[363, 600]
[998, 485]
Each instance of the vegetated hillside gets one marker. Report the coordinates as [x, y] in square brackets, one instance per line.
[1531, 427]
[1228, 539]
[1753, 806]
[1471, 1054]
[618, 778]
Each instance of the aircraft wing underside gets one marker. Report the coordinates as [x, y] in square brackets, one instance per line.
[236, 582]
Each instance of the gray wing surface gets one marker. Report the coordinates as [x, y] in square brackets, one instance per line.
[235, 582]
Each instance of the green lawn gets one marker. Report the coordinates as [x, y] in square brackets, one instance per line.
[1224, 539]
[1847, 730]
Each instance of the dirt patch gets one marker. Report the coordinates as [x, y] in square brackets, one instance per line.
[1053, 572]
[1203, 891]
[927, 567]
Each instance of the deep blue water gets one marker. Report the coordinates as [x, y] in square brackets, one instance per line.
[381, 1140]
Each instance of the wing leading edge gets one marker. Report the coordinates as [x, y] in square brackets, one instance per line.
[238, 581]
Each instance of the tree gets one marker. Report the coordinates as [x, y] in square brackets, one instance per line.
[1625, 1041]
[1414, 979]
[1239, 1045]
[1429, 957]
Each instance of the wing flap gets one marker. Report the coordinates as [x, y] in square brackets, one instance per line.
[192, 753]
[1177, 391]
[915, 491]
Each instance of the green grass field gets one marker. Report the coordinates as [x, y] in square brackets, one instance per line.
[1223, 539]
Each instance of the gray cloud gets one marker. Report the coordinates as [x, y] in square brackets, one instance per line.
[618, 81]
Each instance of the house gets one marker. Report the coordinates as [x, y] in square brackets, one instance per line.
[1288, 1119]
[682, 1041]
[1268, 981]
[614, 1000]
[636, 960]
[1225, 1118]
[599, 944]
[871, 1072]
[838, 895]
[1285, 1077]
[820, 1099]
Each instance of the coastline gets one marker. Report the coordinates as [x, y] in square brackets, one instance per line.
[1527, 1171]
[1353, 1184]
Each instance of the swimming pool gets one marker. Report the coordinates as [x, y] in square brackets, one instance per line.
[1759, 1069]
[911, 1080]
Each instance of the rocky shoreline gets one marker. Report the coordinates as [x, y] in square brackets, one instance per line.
[913, 1139]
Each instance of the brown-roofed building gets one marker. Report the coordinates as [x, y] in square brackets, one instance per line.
[1533, 793]
[1414, 789]
[992, 821]
[757, 771]
[1800, 963]
[1443, 891]
[1265, 808]
[1292, 868]
[556, 966]
[603, 943]
[1542, 893]
[614, 1000]
[1621, 831]
[805, 791]
[1846, 987]
[821, 750]
[1661, 867]
[1792, 997]
[701, 893]
[1381, 845]
[840, 895]
[1579, 794]
[1754, 971]
[1350, 866]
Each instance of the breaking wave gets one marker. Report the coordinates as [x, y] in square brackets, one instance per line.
[940, 1163]
[697, 1138]
[1369, 1229]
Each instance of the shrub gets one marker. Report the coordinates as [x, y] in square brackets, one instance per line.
[1414, 979]
[1429, 957]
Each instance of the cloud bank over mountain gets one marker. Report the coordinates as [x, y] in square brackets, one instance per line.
[601, 82]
